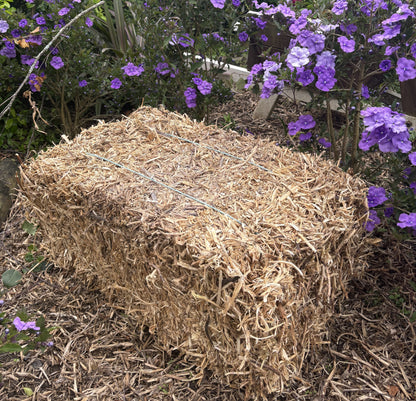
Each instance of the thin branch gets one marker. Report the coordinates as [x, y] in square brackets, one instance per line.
[46, 48]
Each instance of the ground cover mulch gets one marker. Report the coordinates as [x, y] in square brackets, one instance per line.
[99, 353]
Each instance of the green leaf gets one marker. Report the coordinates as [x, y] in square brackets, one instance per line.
[10, 348]
[40, 322]
[11, 277]
[29, 227]
[412, 318]
[29, 257]
[23, 315]
[9, 124]
[28, 391]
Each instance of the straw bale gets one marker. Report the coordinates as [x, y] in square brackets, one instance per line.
[243, 283]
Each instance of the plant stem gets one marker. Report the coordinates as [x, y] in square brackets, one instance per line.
[346, 132]
[356, 132]
[331, 127]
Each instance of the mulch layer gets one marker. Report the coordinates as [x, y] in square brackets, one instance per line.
[99, 353]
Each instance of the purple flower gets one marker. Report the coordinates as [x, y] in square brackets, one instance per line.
[9, 53]
[298, 57]
[285, 11]
[293, 128]
[131, 70]
[326, 59]
[305, 77]
[116, 83]
[326, 80]
[306, 121]
[375, 116]
[218, 3]
[298, 25]
[243, 36]
[368, 140]
[324, 142]
[389, 211]
[386, 128]
[376, 196]
[203, 86]
[412, 158]
[340, 6]
[347, 45]
[305, 136]
[405, 69]
[407, 220]
[412, 185]
[20, 325]
[82, 83]
[264, 38]
[364, 92]
[88, 22]
[4, 26]
[260, 23]
[16, 33]
[401, 141]
[25, 59]
[390, 50]
[391, 31]
[57, 62]
[218, 37]
[372, 221]
[304, 36]
[36, 39]
[162, 68]
[236, 3]
[349, 29]
[40, 21]
[378, 39]
[315, 43]
[22, 23]
[406, 172]
[197, 81]
[385, 65]
[184, 41]
[34, 83]
[256, 69]
[413, 50]
[270, 83]
[63, 11]
[405, 12]
[190, 97]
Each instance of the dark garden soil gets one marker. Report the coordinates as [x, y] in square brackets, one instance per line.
[99, 353]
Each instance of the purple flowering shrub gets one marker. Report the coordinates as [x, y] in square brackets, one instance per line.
[98, 70]
[66, 85]
[351, 51]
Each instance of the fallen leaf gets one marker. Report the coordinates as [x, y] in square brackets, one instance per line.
[393, 391]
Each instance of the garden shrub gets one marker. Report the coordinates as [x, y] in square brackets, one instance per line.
[354, 63]
[110, 62]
